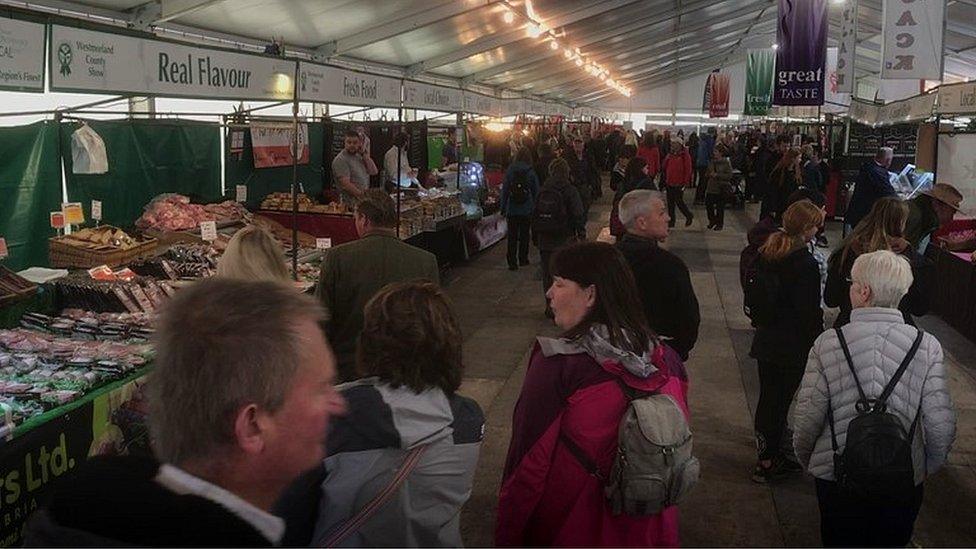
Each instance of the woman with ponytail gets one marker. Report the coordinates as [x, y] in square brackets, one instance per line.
[788, 318]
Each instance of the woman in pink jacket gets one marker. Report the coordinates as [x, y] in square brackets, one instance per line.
[678, 171]
[572, 390]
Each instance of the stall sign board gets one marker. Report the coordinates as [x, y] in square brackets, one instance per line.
[96, 210]
[208, 230]
[323, 243]
[912, 36]
[21, 55]
[327, 84]
[481, 104]
[957, 98]
[91, 61]
[57, 220]
[241, 191]
[914, 108]
[430, 97]
[3, 248]
[73, 213]
[272, 144]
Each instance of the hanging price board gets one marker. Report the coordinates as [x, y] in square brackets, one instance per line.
[3, 248]
[96, 210]
[241, 193]
[57, 220]
[73, 214]
[208, 230]
[323, 243]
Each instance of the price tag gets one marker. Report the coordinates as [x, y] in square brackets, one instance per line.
[73, 214]
[3, 248]
[208, 230]
[57, 220]
[323, 243]
[96, 210]
[241, 193]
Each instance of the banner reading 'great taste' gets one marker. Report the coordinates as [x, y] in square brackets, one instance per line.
[802, 53]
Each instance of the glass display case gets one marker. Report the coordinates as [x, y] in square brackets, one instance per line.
[470, 182]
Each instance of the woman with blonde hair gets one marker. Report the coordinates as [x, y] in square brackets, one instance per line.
[255, 255]
[784, 300]
[882, 229]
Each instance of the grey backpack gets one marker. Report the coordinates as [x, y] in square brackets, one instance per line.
[653, 468]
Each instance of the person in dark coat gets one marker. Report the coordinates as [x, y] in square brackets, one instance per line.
[872, 184]
[784, 338]
[517, 206]
[583, 170]
[882, 229]
[573, 227]
[662, 278]
[783, 181]
[545, 156]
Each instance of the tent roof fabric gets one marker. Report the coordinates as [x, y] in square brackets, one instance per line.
[644, 43]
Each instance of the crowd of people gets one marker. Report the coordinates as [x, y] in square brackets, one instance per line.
[282, 419]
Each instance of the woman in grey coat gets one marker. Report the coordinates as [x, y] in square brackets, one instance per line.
[879, 340]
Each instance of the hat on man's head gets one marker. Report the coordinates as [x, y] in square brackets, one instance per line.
[946, 194]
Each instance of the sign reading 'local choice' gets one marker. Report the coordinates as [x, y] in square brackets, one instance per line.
[481, 104]
[802, 54]
[322, 83]
[84, 60]
[957, 98]
[912, 39]
[21, 55]
[435, 98]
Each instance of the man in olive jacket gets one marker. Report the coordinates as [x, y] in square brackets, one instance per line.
[354, 272]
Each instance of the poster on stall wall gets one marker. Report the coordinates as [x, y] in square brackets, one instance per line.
[847, 43]
[912, 36]
[957, 166]
[272, 144]
[21, 55]
[760, 66]
[718, 95]
[802, 53]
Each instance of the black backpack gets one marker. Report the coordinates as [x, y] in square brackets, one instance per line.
[519, 193]
[550, 211]
[760, 292]
[876, 465]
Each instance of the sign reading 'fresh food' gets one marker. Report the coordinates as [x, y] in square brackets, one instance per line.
[21, 55]
[85, 60]
[334, 85]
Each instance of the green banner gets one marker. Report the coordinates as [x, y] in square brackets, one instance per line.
[760, 68]
[30, 188]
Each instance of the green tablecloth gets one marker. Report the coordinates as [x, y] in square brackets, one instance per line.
[41, 302]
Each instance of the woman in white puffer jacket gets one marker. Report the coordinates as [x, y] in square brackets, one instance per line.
[879, 340]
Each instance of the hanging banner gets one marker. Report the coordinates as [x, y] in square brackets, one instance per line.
[21, 55]
[272, 144]
[326, 84]
[90, 61]
[865, 113]
[760, 66]
[435, 98]
[802, 53]
[915, 108]
[912, 37]
[846, 45]
[718, 96]
[834, 100]
[476, 103]
[957, 98]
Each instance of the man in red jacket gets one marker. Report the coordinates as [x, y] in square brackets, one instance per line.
[678, 172]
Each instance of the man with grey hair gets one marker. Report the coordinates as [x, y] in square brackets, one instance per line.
[239, 406]
[873, 183]
[662, 278]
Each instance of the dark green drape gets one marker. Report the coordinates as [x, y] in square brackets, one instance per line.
[30, 188]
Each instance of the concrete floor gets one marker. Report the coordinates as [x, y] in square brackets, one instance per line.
[501, 313]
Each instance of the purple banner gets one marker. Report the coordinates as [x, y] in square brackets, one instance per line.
[802, 54]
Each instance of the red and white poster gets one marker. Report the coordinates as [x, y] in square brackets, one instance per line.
[272, 144]
[717, 95]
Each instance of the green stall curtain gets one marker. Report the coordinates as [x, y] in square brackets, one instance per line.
[30, 188]
[260, 182]
[146, 158]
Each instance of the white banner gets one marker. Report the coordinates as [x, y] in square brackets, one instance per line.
[476, 103]
[434, 98]
[21, 55]
[534, 106]
[835, 101]
[512, 107]
[845, 54]
[914, 108]
[865, 113]
[912, 39]
[957, 166]
[90, 61]
[326, 84]
[957, 98]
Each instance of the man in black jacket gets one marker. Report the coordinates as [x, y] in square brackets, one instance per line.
[239, 406]
[662, 278]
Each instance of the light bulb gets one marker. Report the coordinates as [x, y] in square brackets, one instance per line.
[775, 46]
[568, 53]
[509, 17]
[534, 30]
[554, 45]
[579, 62]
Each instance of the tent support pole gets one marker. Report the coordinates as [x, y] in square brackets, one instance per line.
[295, 154]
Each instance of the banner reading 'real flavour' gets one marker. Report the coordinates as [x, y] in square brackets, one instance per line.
[718, 95]
[90, 61]
[760, 66]
[802, 38]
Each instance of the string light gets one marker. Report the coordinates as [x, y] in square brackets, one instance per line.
[509, 17]
[554, 45]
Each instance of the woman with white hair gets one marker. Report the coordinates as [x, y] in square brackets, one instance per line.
[873, 414]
